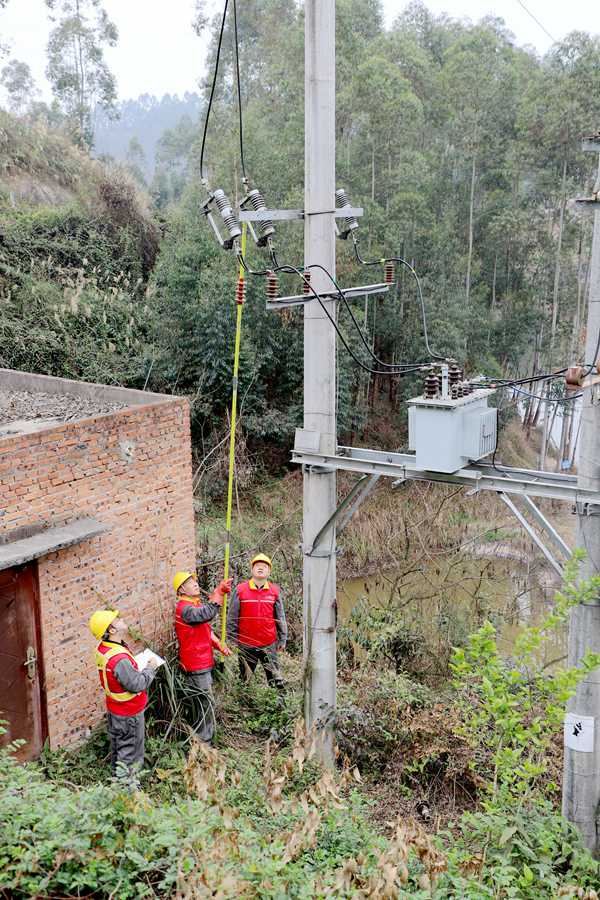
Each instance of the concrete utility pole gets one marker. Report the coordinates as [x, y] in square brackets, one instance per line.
[320, 493]
[581, 784]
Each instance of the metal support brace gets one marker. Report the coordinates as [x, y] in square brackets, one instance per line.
[532, 534]
[479, 477]
[280, 215]
[548, 527]
[365, 486]
[583, 508]
[363, 290]
[359, 492]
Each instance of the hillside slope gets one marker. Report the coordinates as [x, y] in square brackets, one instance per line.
[77, 243]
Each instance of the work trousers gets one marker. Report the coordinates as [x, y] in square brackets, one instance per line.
[250, 657]
[200, 688]
[126, 735]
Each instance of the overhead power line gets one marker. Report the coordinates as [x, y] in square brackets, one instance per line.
[239, 90]
[537, 21]
[212, 89]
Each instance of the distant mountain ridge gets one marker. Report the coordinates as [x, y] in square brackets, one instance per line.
[145, 119]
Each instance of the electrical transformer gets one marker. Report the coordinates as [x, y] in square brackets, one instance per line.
[448, 433]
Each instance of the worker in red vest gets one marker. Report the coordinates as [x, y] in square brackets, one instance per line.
[196, 642]
[256, 622]
[125, 686]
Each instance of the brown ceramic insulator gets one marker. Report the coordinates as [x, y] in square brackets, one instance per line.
[240, 294]
[306, 283]
[467, 388]
[389, 270]
[272, 286]
[459, 389]
[431, 386]
[454, 391]
[574, 377]
[454, 375]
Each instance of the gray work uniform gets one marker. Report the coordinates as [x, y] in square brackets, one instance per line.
[250, 657]
[126, 733]
[200, 681]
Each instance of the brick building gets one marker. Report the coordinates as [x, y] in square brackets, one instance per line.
[95, 509]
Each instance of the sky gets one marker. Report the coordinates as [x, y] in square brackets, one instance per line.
[159, 53]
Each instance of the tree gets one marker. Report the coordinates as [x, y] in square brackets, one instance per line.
[17, 80]
[136, 160]
[480, 82]
[77, 71]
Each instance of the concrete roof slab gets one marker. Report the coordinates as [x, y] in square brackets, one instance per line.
[16, 553]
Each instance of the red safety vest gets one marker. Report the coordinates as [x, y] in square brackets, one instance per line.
[118, 701]
[195, 644]
[256, 625]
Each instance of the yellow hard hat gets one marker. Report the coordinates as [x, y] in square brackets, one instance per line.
[180, 577]
[261, 557]
[100, 620]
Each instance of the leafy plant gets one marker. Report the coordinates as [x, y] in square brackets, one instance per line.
[514, 708]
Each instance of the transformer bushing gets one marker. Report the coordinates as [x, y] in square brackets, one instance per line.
[431, 388]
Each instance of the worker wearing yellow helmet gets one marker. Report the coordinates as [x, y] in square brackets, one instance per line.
[256, 622]
[125, 686]
[196, 641]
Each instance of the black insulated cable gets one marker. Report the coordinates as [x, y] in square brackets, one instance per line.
[543, 399]
[290, 269]
[396, 374]
[212, 89]
[407, 265]
[398, 369]
[343, 298]
[239, 91]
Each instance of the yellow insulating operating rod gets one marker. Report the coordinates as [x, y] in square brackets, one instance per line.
[240, 296]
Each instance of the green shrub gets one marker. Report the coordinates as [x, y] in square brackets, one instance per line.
[526, 853]
[513, 708]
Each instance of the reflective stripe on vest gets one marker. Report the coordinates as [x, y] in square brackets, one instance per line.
[102, 660]
[118, 702]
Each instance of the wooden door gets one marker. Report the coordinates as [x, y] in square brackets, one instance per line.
[21, 672]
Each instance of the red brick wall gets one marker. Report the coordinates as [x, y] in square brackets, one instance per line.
[132, 471]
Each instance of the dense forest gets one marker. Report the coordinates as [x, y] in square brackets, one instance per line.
[464, 150]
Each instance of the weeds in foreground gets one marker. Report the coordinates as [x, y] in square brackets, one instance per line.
[268, 827]
[262, 818]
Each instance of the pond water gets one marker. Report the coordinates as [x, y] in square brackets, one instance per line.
[445, 599]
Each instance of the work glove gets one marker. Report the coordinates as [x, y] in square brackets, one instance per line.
[280, 645]
[220, 591]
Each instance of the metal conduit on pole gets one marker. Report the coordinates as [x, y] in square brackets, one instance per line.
[319, 568]
[581, 783]
[240, 297]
